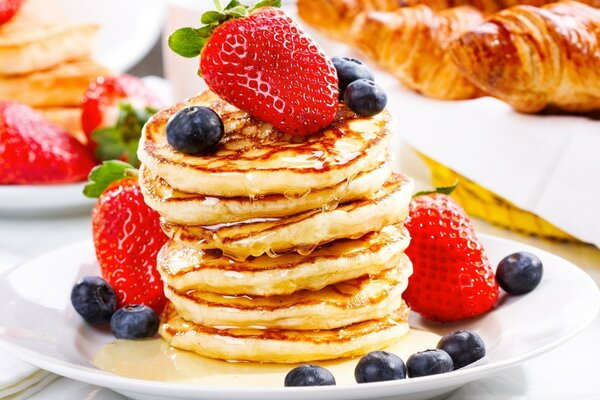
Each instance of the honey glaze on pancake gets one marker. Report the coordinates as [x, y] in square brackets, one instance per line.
[350, 294]
[174, 325]
[275, 236]
[255, 158]
[257, 142]
[198, 209]
[213, 259]
[284, 345]
[185, 267]
[334, 306]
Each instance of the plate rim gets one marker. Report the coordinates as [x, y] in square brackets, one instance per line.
[132, 385]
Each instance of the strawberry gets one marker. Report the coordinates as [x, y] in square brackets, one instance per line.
[8, 8]
[259, 60]
[127, 235]
[34, 151]
[114, 110]
[452, 278]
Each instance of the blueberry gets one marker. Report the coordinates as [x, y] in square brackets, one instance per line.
[349, 70]
[519, 273]
[94, 300]
[429, 362]
[365, 98]
[309, 375]
[134, 322]
[194, 130]
[464, 347]
[378, 366]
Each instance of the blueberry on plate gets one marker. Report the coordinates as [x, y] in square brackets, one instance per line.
[429, 362]
[379, 366]
[94, 299]
[134, 322]
[365, 98]
[350, 70]
[194, 130]
[464, 347]
[519, 273]
[309, 375]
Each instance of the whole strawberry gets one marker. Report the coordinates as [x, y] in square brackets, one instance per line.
[259, 60]
[114, 110]
[452, 278]
[8, 8]
[34, 151]
[127, 235]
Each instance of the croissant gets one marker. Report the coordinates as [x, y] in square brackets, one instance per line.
[487, 6]
[411, 43]
[335, 17]
[536, 58]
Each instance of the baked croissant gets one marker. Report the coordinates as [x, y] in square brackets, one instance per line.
[411, 43]
[335, 17]
[535, 58]
[487, 6]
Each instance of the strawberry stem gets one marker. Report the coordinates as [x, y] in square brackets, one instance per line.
[218, 5]
[439, 190]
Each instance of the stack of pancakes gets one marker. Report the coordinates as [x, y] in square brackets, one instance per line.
[45, 62]
[283, 249]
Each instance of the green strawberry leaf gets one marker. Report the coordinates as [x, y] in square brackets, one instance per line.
[439, 190]
[188, 42]
[232, 4]
[238, 12]
[121, 141]
[266, 3]
[212, 16]
[103, 175]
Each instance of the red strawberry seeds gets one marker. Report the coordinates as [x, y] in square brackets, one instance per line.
[34, 151]
[127, 238]
[452, 278]
[260, 61]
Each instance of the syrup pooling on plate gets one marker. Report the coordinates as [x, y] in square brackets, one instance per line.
[155, 360]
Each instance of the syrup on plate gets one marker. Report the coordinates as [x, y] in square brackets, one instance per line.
[155, 360]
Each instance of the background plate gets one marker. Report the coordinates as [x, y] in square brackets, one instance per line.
[39, 325]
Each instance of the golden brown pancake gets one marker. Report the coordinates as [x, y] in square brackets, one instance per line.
[198, 209]
[334, 306]
[302, 232]
[283, 346]
[253, 158]
[61, 86]
[186, 268]
[39, 37]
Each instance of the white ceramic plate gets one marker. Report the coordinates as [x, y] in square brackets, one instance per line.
[32, 200]
[128, 31]
[38, 324]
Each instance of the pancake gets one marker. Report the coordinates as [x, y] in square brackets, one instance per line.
[334, 306]
[255, 159]
[197, 209]
[41, 48]
[61, 86]
[33, 13]
[185, 268]
[302, 232]
[283, 346]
